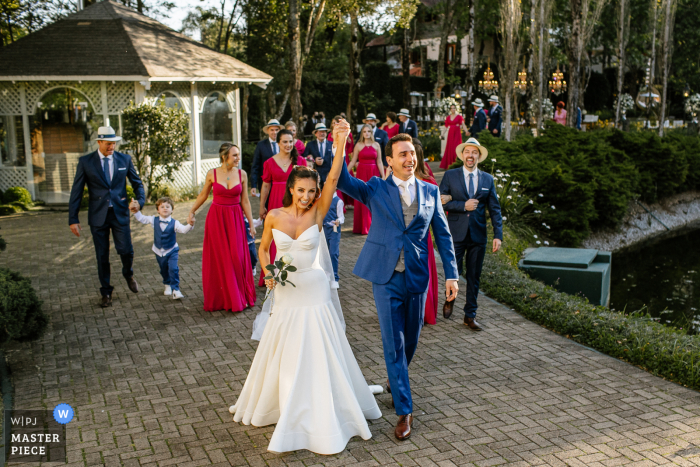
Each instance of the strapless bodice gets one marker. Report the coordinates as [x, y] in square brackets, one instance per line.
[302, 250]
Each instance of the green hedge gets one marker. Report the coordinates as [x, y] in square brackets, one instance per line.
[21, 316]
[590, 177]
[17, 194]
[661, 350]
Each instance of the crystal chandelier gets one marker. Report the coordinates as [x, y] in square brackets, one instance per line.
[557, 85]
[521, 82]
[488, 85]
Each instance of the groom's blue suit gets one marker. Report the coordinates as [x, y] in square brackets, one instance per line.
[399, 296]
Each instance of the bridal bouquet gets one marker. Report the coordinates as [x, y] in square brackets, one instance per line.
[283, 267]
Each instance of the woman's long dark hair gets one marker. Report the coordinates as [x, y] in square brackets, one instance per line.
[299, 172]
[421, 171]
[294, 154]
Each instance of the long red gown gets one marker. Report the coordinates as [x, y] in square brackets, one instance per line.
[431, 300]
[273, 174]
[366, 169]
[454, 139]
[227, 276]
[349, 146]
[393, 131]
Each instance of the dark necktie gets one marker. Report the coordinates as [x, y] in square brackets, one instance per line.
[105, 166]
[471, 185]
[274, 148]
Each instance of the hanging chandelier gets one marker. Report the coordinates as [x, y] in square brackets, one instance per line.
[557, 85]
[521, 83]
[488, 85]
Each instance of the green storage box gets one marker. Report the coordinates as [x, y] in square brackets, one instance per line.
[572, 270]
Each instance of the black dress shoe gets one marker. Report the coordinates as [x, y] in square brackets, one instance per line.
[447, 309]
[472, 324]
[133, 286]
[106, 301]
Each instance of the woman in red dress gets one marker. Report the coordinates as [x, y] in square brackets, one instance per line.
[347, 200]
[390, 126]
[276, 171]
[291, 126]
[454, 124]
[227, 275]
[368, 158]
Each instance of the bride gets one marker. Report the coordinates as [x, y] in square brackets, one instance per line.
[304, 376]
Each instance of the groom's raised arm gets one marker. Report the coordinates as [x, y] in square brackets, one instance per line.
[356, 188]
[443, 240]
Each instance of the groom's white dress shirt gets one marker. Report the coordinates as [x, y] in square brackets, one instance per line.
[476, 179]
[409, 185]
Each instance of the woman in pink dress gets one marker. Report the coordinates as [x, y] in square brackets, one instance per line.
[454, 124]
[349, 145]
[368, 158]
[276, 171]
[390, 126]
[227, 275]
[291, 126]
[560, 114]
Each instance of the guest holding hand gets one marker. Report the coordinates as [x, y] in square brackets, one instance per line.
[227, 275]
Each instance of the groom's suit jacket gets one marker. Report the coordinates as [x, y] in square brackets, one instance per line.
[91, 173]
[388, 234]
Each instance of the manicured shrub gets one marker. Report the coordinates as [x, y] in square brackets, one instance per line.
[17, 193]
[7, 209]
[21, 316]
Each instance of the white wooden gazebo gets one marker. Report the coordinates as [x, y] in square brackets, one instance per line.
[60, 83]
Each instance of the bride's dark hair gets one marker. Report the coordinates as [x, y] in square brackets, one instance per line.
[299, 172]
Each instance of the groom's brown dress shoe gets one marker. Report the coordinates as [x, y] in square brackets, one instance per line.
[447, 309]
[106, 301]
[133, 286]
[471, 324]
[403, 427]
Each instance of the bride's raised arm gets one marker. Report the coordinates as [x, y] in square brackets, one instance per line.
[341, 130]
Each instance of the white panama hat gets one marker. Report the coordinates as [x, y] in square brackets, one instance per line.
[477, 102]
[404, 112]
[472, 142]
[493, 99]
[107, 133]
[369, 116]
[320, 127]
[273, 122]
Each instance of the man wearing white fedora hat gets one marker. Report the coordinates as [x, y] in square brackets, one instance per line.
[105, 172]
[321, 151]
[380, 136]
[495, 116]
[479, 122]
[408, 126]
[465, 193]
[265, 149]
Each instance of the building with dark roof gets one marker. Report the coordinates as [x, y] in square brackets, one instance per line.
[58, 84]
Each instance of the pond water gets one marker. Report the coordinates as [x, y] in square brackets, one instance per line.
[661, 275]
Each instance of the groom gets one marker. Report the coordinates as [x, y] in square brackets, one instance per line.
[395, 259]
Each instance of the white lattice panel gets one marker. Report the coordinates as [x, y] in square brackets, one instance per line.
[181, 178]
[209, 164]
[9, 99]
[91, 89]
[119, 95]
[12, 176]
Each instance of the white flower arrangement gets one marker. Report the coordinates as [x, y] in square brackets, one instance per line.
[692, 104]
[443, 106]
[547, 108]
[626, 102]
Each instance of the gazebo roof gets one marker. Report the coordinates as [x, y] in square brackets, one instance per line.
[109, 41]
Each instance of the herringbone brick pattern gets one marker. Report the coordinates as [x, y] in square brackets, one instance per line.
[151, 379]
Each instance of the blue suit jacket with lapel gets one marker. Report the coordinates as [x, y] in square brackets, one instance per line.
[263, 151]
[388, 234]
[479, 123]
[91, 173]
[313, 149]
[472, 223]
[495, 115]
[410, 128]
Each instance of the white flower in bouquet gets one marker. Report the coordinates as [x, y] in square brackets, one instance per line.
[626, 102]
[287, 259]
[692, 104]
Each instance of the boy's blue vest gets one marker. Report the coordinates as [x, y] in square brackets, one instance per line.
[164, 239]
[332, 215]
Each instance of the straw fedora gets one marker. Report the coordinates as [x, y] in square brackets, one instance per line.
[107, 133]
[493, 99]
[472, 142]
[320, 127]
[404, 112]
[477, 102]
[273, 122]
[369, 117]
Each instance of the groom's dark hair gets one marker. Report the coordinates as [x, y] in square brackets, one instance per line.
[396, 139]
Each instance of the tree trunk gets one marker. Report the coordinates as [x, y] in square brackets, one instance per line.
[221, 26]
[295, 68]
[354, 71]
[446, 27]
[244, 112]
[622, 42]
[139, 6]
[406, 69]
[510, 23]
[575, 51]
[471, 63]
[669, 13]
[541, 79]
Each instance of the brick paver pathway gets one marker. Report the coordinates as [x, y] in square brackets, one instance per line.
[151, 379]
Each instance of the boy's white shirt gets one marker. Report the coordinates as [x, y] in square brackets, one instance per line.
[179, 228]
[341, 215]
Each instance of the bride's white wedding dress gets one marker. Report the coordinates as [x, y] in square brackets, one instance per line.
[304, 376]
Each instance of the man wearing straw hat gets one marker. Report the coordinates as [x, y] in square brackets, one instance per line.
[495, 116]
[465, 193]
[408, 126]
[105, 172]
[479, 122]
[380, 136]
[321, 151]
[265, 149]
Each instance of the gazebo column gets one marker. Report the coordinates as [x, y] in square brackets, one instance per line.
[196, 139]
[233, 98]
[27, 140]
[105, 111]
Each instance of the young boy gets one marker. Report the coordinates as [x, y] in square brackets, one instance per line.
[164, 245]
[331, 228]
[251, 246]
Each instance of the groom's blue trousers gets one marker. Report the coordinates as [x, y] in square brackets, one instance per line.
[401, 316]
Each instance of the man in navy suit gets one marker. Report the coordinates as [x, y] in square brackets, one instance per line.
[479, 122]
[465, 193]
[408, 126]
[495, 116]
[105, 172]
[380, 135]
[321, 151]
[394, 259]
[266, 148]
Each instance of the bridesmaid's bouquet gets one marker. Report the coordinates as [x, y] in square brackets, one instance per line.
[283, 266]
